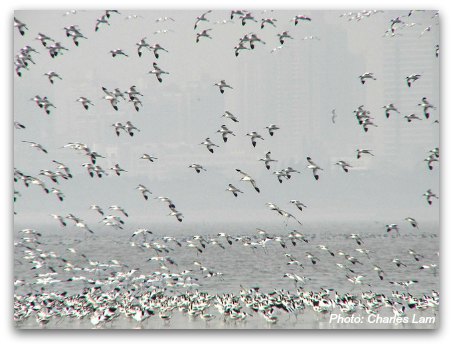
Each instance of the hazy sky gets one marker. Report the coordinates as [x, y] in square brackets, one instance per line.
[296, 88]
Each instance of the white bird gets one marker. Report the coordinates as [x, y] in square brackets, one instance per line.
[357, 238]
[313, 166]
[239, 47]
[391, 227]
[158, 72]
[179, 216]
[284, 35]
[412, 78]
[429, 196]
[118, 208]
[36, 145]
[97, 208]
[365, 76]
[115, 52]
[148, 157]
[56, 49]
[43, 39]
[312, 258]
[281, 174]
[59, 219]
[201, 18]
[51, 75]
[84, 226]
[271, 128]
[412, 117]
[427, 29]
[156, 48]
[435, 152]
[118, 126]
[101, 20]
[209, 144]
[252, 38]
[430, 160]
[415, 254]
[234, 190]
[300, 17]
[432, 267]
[236, 13]
[388, 108]
[129, 127]
[289, 170]
[296, 278]
[229, 115]
[344, 165]
[164, 19]
[117, 169]
[58, 193]
[18, 125]
[170, 203]
[132, 93]
[85, 102]
[142, 44]
[142, 189]
[203, 33]
[398, 262]
[197, 167]
[246, 177]
[288, 216]
[267, 160]
[247, 16]
[112, 99]
[253, 136]
[356, 279]
[222, 85]
[426, 106]
[20, 26]
[298, 204]
[412, 221]
[270, 21]
[137, 103]
[360, 152]
[108, 12]
[224, 131]
[324, 248]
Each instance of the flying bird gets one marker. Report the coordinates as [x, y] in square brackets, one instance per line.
[267, 159]
[314, 167]
[246, 177]
[412, 78]
[253, 136]
[201, 18]
[158, 72]
[209, 144]
[222, 85]
[365, 76]
[234, 190]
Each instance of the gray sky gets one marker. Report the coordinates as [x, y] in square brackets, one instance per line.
[295, 88]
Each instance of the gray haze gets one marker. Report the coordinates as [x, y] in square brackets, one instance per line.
[296, 88]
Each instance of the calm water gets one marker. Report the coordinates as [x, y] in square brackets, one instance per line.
[262, 267]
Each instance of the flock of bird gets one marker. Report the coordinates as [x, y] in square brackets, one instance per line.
[103, 292]
[113, 289]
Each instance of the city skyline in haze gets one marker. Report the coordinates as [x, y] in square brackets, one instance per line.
[296, 87]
